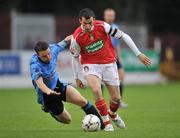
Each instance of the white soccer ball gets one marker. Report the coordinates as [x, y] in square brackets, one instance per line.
[91, 123]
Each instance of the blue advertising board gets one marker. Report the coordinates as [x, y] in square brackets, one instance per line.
[10, 64]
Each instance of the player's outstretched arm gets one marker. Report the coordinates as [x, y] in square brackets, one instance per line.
[44, 88]
[64, 43]
[117, 33]
[143, 58]
[75, 50]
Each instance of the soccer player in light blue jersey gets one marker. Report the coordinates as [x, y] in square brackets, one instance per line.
[109, 17]
[52, 91]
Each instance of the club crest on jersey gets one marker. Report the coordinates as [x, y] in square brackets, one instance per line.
[91, 36]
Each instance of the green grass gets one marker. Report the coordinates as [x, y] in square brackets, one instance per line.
[154, 112]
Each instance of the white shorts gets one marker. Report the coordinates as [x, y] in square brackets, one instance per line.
[108, 73]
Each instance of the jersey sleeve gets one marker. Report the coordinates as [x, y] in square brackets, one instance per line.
[113, 31]
[74, 47]
[58, 47]
[76, 66]
[62, 45]
[128, 41]
[115, 41]
[35, 71]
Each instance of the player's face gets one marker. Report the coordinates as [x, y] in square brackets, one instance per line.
[109, 16]
[45, 55]
[87, 24]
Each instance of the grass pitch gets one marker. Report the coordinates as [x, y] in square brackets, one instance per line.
[153, 112]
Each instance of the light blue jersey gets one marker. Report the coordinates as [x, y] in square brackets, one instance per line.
[48, 71]
[115, 41]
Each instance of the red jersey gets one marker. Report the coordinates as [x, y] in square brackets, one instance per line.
[95, 46]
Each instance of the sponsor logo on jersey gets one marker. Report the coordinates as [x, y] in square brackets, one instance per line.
[95, 46]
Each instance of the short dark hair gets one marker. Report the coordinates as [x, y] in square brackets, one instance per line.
[41, 46]
[86, 13]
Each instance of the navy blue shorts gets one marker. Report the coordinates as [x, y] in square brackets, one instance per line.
[119, 64]
[54, 103]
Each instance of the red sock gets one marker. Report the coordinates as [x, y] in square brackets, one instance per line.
[113, 108]
[102, 107]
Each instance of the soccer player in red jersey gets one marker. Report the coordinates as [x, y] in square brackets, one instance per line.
[91, 46]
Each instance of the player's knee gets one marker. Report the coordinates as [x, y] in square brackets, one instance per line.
[83, 102]
[96, 90]
[66, 120]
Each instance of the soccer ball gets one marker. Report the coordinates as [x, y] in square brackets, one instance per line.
[91, 123]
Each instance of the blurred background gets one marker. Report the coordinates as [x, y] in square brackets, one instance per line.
[153, 25]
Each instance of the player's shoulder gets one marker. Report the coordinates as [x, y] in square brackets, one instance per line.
[98, 23]
[34, 60]
[100, 26]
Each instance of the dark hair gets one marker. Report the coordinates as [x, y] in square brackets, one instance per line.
[41, 46]
[86, 13]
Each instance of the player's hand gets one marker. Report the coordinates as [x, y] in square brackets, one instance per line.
[80, 84]
[51, 92]
[68, 39]
[145, 60]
